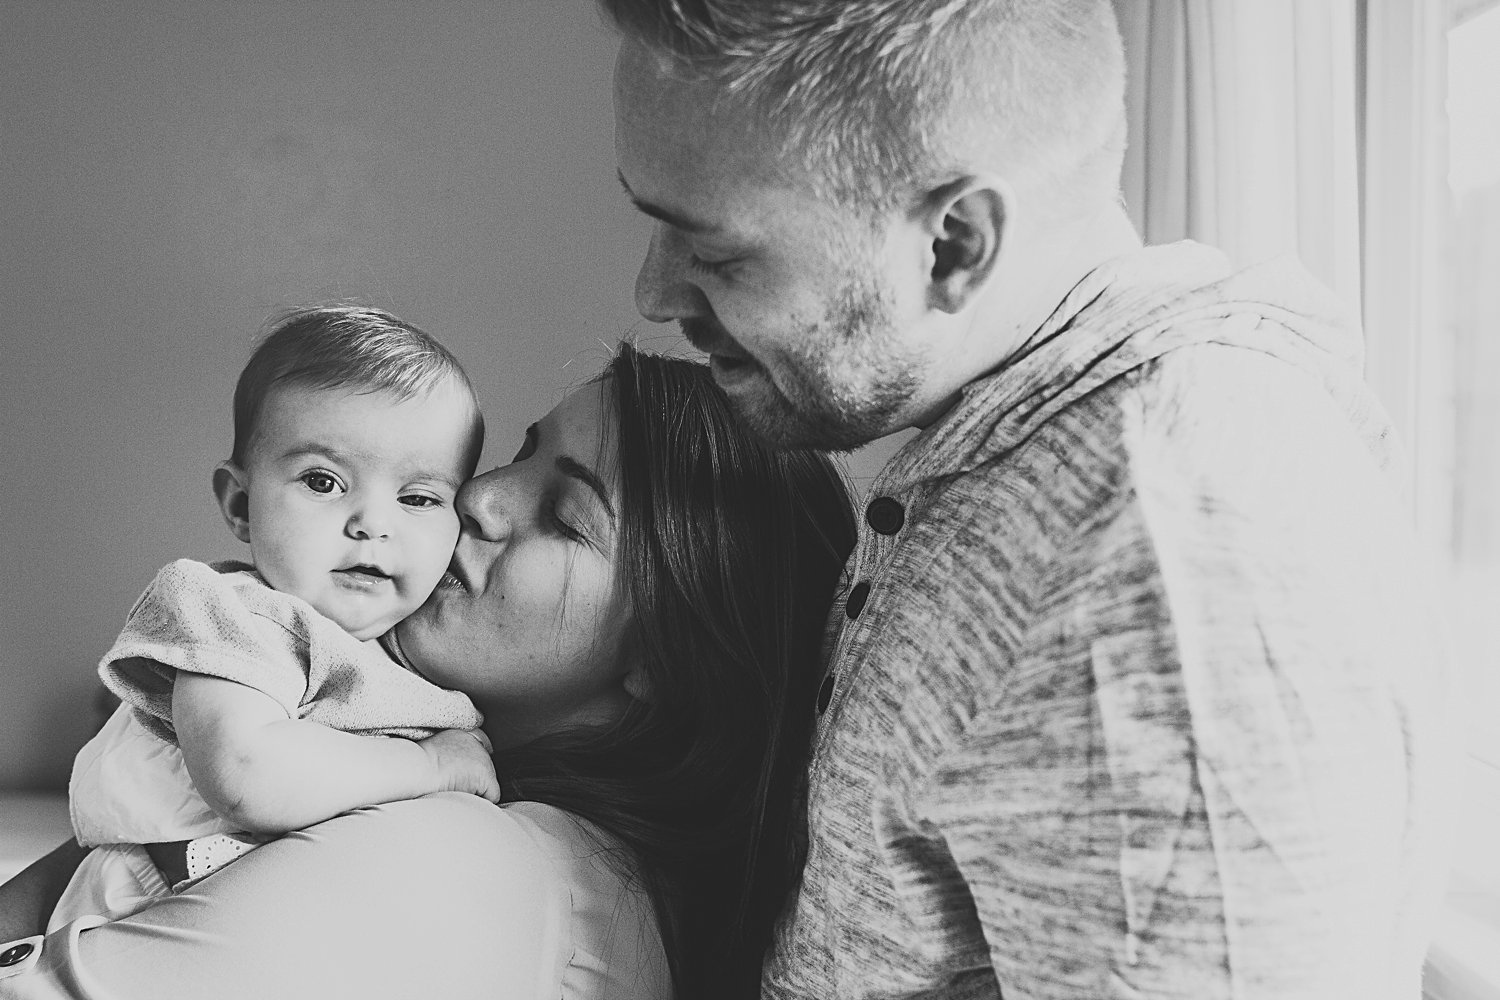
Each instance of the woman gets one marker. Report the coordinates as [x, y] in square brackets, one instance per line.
[636, 605]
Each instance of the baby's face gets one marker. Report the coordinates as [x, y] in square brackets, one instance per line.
[351, 498]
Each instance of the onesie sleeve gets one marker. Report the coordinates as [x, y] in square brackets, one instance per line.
[445, 896]
[213, 620]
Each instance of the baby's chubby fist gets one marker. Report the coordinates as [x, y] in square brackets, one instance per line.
[461, 760]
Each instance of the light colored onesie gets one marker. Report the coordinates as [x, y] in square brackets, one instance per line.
[129, 785]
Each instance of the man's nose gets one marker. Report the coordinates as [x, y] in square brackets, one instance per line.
[485, 506]
[663, 290]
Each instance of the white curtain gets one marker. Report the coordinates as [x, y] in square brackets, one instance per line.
[1311, 127]
[1408, 337]
[1242, 129]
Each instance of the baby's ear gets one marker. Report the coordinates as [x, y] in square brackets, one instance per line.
[231, 489]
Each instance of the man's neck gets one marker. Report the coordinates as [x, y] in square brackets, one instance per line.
[1041, 275]
[1036, 274]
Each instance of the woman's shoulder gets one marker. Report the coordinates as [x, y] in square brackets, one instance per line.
[617, 941]
[445, 895]
[561, 881]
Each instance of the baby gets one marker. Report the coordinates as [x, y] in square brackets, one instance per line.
[255, 698]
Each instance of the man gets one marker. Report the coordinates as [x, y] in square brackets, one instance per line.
[1133, 691]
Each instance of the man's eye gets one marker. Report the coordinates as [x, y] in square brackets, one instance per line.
[320, 482]
[710, 268]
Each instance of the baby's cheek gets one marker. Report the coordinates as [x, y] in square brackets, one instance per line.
[434, 556]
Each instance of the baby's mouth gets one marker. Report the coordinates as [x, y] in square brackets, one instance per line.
[365, 573]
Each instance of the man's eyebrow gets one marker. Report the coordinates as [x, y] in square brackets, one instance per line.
[666, 215]
[575, 469]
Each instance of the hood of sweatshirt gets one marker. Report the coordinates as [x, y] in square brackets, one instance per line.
[1129, 312]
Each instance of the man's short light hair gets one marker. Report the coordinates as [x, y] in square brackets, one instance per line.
[880, 99]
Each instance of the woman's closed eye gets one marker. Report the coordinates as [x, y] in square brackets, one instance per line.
[554, 519]
[322, 482]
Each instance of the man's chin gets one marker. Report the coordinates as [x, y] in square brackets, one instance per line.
[731, 372]
[773, 419]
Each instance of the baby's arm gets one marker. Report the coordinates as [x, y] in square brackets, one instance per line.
[266, 773]
[26, 901]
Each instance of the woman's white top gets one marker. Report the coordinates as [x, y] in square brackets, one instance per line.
[444, 896]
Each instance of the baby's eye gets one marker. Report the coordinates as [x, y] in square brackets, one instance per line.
[322, 483]
[420, 501]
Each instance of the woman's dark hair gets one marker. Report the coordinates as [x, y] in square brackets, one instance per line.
[730, 555]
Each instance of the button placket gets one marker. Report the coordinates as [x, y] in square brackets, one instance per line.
[885, 515]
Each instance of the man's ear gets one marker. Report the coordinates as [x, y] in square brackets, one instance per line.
[232, 492]
[966, 221]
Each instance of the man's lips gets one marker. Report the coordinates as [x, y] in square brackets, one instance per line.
[711, 339]
[726, 359]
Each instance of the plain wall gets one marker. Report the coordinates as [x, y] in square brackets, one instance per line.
[174, 173]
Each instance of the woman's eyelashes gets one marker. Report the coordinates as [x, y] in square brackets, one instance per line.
[556, 521]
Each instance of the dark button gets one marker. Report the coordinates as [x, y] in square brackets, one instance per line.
[885, 515]
[17, 955]
[825, 694]
[855, 603]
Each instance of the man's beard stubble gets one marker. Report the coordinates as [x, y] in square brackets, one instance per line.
[845, 388]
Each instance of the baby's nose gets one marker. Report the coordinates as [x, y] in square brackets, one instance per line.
[368, 523]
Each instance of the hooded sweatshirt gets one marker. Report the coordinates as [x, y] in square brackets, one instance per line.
[1134, 688]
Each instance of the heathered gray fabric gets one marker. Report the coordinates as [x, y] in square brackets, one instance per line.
[1147, 698]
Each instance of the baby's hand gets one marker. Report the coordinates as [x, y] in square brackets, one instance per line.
[462, 760]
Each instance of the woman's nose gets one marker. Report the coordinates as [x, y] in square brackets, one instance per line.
[484, 506]
[663, 290]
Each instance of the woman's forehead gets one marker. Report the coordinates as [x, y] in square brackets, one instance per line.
[582, 427]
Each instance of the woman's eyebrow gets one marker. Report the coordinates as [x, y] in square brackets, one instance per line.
[575, 469]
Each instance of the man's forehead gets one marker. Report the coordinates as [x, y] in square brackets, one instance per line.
[688, 119]
[698, 166]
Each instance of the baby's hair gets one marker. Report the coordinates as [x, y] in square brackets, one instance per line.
[341, 347]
